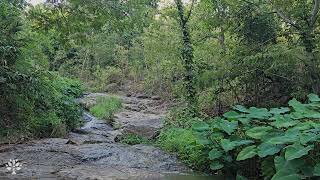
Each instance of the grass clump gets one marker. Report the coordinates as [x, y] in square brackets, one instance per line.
[132, 139]
[184, 143]
[106, 107]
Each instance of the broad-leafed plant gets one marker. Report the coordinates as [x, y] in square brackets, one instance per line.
[282, 143]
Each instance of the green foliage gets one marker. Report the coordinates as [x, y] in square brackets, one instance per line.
[184, 142]
[289, 137]
[35, 102]
[106, 107]
[107, 80]
[43, 105]
[133, 139]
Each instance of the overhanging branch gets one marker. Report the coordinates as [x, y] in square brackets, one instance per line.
[314, 13]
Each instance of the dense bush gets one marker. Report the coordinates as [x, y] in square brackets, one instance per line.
[34, 101]
[278, 143]
[107, 79]
[184, 142]
[39, 105]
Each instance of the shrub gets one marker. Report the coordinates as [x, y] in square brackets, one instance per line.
[41, 105]
[56, 111]
[107, 79]
[280, 143]
[184, 142]
[106, 107]
[133, 139]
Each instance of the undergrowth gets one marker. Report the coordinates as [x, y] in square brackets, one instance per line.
[133, 139]
[106, 107]
[255, 143]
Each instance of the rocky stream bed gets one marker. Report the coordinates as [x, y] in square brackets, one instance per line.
[91, 152]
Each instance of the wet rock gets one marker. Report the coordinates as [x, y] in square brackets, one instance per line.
[142, 96]
[156, 98]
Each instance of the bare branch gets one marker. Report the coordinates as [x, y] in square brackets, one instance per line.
[314, 13]
[286, 19]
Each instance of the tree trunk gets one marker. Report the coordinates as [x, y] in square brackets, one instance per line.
[187, 54]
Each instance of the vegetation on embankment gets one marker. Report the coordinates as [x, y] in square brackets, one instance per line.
[34, 102]
[276, 143]
[106, 107]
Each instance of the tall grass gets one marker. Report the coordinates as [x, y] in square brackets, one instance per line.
[106, 107]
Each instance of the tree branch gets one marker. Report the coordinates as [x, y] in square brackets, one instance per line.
[208, 36]
[190, 11]
[314, 13]
[286, 18]
[180, 11]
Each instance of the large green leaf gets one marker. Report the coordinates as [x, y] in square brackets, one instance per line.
[297, 115]
[201, 126]
[259, 113]
[228, 145]
[232, 115]
[309, 137]
[316, 171]
[258, 132]
[279, 162]
[296, 151]
[216, 165]
[312, 114]
[297, 106]
[228, 126]
[281, 110]
[284, 122]
[286, 169]
[288, 138]
[244, 120]
[313, 98]
[239, 177]
[215, 154]
[247, 153]
[241, 109]
[202, 139]
[286, 174]
[304, 126]
[266, 149]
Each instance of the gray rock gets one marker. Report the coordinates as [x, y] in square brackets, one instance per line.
[142, 96]
[156, 98]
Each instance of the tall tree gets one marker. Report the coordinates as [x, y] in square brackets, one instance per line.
[302, 16]
[187, 50]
